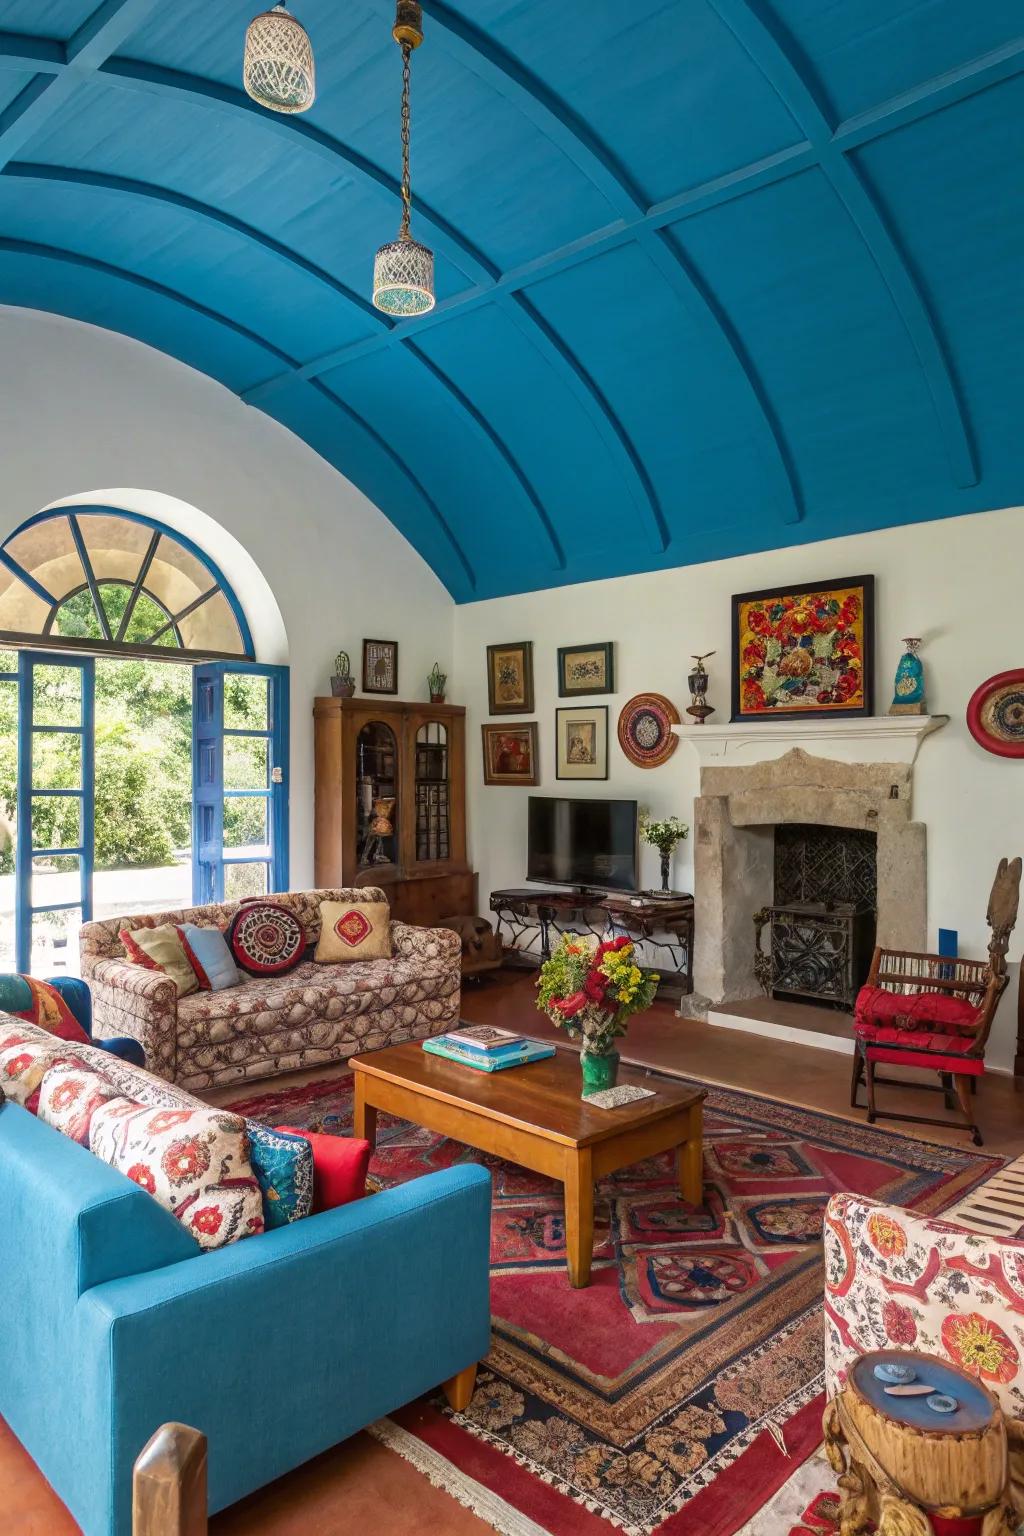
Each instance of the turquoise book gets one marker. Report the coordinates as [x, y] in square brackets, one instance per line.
[531, 1050]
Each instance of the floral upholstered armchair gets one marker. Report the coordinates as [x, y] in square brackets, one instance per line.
[896, 1280]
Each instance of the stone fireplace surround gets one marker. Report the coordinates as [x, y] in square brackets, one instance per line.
[838, 773]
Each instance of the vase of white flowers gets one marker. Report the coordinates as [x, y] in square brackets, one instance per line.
[663, 835]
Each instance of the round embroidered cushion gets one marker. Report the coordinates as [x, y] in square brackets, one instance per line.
[266, 939]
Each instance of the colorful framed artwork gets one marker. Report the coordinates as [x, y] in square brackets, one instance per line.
[380, 666]
[510, 678]
[586, 669]
[581, 742]
[804, 652]
[510, 754]
[645, 730]
[995, 714]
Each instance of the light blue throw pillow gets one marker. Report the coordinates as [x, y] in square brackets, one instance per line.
[211, 950]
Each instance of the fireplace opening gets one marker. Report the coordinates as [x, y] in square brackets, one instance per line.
[813, 944]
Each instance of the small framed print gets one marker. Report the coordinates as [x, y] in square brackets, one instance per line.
[586, 669]
[380, 666]
[581, 737]
[510, 754]
[510, 678]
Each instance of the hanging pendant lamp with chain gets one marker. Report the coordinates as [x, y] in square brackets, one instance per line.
[403, 270]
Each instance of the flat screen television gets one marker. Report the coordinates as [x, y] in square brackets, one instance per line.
[589, 843]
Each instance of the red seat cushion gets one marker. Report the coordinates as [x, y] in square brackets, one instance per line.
[927, 1040]
[339, 1167]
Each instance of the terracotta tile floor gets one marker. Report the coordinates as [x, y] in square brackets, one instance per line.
[360, 1485]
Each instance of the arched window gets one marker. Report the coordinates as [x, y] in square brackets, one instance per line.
[102, 580]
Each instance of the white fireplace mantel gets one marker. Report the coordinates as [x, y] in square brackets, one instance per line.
[875, 739]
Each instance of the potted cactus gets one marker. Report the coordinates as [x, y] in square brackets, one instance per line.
[343, 684]
[437, 682]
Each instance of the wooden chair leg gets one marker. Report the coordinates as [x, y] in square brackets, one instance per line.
[459, 1389]
[855, 1081]
[962, 1083]
[871, 1091]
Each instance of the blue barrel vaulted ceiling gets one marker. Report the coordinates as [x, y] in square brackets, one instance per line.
[713, 276]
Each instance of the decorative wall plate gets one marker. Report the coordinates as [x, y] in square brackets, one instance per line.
[645, 730]
[995, 715]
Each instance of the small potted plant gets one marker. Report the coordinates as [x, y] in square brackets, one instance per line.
[437, 682]
[343, 684]
[663, 835]
[591, 991]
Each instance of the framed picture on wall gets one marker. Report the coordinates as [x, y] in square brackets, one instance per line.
[804, 651]
[586, 669]
[380, 666]
[510, 678]
[510, 754]
[581, 742]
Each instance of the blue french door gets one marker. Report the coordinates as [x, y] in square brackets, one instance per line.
[239, 780]
[56, 785]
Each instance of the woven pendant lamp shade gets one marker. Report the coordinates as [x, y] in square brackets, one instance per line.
[403, 277]
[278, 69]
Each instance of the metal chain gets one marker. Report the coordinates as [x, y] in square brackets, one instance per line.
[406, 184]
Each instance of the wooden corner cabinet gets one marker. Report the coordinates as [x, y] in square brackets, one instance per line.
[390, 803]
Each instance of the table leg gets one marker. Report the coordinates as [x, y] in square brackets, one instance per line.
[364, 1116]
[691, 1159]
[579, 1216]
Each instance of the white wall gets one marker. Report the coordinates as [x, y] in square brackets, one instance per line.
[956, 583]
[83, 408]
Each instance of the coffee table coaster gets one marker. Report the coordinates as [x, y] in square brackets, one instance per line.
[614, 1098]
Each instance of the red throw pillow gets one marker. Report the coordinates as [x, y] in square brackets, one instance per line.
[266, 939]
[339, 1167]
[875, 1005]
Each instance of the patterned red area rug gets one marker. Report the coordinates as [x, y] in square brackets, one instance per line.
[680, 1389]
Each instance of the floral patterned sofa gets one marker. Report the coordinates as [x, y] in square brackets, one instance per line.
[897, 1280]
[266, 1025]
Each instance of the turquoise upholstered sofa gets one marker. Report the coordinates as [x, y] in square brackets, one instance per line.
[276, 1347]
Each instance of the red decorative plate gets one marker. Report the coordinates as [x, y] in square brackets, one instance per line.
[645, 730]
[995, 715]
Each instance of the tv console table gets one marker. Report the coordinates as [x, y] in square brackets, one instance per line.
[664, 923]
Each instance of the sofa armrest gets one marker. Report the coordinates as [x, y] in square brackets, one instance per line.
[142, 1004]
[426, 943]
[282, 1345]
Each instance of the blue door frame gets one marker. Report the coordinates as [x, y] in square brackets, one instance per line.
[29, 731]
[209, 856]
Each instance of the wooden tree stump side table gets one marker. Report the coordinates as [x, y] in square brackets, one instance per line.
[910, 1471]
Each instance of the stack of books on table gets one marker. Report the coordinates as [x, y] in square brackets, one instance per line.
[487, 1049]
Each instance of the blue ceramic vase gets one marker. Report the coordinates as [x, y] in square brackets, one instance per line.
[908, 690]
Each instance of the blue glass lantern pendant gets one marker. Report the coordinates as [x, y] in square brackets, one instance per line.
[908, 691]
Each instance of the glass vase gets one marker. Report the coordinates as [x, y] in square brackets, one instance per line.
[599, 1072]
[666, 866]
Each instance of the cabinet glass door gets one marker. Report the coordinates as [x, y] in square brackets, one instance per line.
[432, 793]
[376, 795]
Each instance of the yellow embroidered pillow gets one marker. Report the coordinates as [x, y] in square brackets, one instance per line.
[161, 949]
[358, 930]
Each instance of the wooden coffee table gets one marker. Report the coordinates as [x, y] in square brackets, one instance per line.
[533, 1115]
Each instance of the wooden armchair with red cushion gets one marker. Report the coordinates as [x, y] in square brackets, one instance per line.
[935, 1012]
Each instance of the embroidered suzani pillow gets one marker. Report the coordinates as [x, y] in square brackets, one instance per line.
[195, 1162]
[69, 1096]
[283, 1165]
[24, 1062]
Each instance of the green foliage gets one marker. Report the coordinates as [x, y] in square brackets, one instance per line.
[143, 756]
